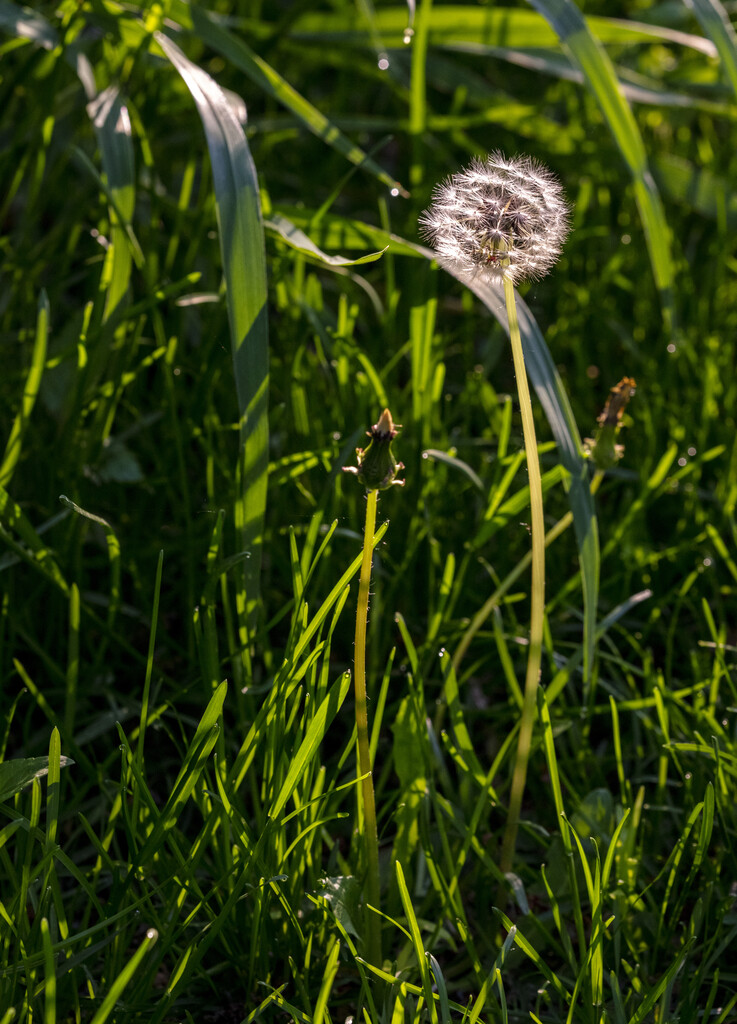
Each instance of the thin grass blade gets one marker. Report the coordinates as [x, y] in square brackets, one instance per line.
[33, 382]
[244, 267]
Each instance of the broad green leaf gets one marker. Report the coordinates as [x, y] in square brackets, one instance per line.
[19, 772]
[244, 267]
[115, 990]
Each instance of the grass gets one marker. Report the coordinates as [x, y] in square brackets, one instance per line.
[178, 831]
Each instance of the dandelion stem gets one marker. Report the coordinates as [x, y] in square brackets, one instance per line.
[371, 841]
[537, 611]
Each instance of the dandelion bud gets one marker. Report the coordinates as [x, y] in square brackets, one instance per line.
[498, 218]
[377, 468]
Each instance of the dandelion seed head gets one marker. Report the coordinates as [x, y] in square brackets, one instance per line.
[498, 217]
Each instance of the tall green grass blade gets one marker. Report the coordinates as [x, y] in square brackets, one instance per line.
[442, 988]
[244, 267]
[714, 20]
[197, 755]
[49, 974]
[33, 382]
[112, 126]
[414, 930]
[314, 736]
[124, 978]
[589, 55]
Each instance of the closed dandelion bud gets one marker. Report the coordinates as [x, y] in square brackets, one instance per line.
[377, 468]
[498, 218]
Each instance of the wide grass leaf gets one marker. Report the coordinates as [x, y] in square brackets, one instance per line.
[244, 267]
[16, 774]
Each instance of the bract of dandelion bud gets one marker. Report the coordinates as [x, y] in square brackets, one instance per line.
[498, 217]
[377, 467]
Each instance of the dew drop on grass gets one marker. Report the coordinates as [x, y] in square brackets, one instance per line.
[383, 62]
[394, 192]
[407, 37]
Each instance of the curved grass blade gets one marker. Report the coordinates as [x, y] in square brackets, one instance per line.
[715, 22]
[297, 239]
[244, 267]
[414, 930]
[589, 55]
[492, 26]
[33, 382]
[115, 991]
[202, 23]
[112, 126]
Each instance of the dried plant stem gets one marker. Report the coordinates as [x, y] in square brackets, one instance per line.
[537, 611]
[371, 840]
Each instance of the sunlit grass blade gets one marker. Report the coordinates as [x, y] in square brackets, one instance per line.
[297, 239]
[113, 129]
[244, 266]
[33, 382]
[124, 978]
[419, 949]
[313, 737]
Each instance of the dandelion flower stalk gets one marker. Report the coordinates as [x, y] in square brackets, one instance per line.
[505, 221]
[377, 469]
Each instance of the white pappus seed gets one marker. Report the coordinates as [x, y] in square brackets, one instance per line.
[498, 217]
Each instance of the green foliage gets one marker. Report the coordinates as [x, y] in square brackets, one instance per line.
[180, 549]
